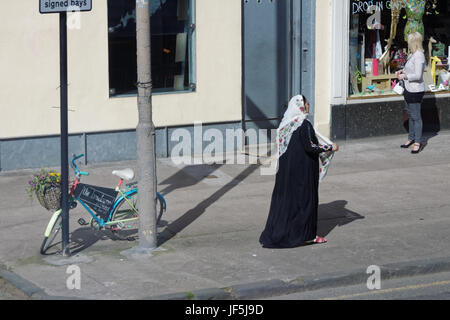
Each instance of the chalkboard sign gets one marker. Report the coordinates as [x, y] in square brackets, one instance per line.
[99, 199]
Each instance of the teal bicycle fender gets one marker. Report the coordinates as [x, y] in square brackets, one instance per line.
[52, 222]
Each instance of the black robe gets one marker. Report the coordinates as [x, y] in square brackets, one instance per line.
[293, 211]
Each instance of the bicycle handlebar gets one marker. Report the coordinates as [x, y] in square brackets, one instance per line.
[77, 171]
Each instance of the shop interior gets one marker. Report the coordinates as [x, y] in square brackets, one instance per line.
[170, 46]
[379, 48]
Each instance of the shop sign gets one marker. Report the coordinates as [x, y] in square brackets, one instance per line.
[358, 6]
[58, 6]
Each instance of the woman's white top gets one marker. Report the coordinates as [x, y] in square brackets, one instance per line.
[414, 68]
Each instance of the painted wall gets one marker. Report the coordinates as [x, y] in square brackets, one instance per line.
[323, 84]
[29, 66]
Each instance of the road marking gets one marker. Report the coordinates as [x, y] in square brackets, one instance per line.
[411, 287]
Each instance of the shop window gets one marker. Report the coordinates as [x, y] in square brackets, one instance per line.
[378, 46]
[172, 29]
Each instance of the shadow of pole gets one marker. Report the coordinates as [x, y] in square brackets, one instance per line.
[83, 238]
[190, 216]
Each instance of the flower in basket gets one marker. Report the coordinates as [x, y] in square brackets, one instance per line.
[46, 186]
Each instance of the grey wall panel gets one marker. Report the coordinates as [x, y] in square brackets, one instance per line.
[36, 152]
[114, 146]
[118, 146]
[160, 143]
[100, 147]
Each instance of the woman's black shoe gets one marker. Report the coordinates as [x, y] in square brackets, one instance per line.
[418, 150]
[407, 145]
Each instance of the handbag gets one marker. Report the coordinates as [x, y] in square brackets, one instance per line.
[400, 87]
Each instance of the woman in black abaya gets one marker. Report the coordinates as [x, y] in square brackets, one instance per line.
[292, 217]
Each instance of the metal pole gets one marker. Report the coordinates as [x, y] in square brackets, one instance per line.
[64, 134]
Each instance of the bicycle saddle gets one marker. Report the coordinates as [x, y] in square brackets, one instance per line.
[125, 174]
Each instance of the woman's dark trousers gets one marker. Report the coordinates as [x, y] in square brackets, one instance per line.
[415, 121]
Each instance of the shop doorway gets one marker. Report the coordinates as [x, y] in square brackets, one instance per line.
[278, 58]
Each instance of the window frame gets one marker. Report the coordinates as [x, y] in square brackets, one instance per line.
[340, 67]
[191, 31]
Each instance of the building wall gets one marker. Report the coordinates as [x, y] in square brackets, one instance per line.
[322, 116]
[29, 63]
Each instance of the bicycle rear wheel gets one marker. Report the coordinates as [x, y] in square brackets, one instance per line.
[48, 242]
[159, 208]
[127, 219]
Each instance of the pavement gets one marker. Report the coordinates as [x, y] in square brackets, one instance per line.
[379, 205]
[434, 286]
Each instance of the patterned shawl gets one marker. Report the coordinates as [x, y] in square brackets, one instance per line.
[293, 119]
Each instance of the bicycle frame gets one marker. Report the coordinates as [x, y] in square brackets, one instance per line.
[54, 226]
[123, 195]
[103, 223]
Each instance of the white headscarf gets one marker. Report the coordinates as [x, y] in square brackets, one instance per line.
[293, 119]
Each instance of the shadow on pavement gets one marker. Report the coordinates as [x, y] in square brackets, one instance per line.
[188, 176]
[334, 214]
[190, 216]
[427, 136]
[331, 215]
[83, 238]
[431, 120]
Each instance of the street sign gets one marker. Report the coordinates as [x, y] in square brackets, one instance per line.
[58, 6]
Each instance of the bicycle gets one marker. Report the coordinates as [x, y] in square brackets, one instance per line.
[115, 209]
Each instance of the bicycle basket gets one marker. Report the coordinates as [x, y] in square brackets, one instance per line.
[51, 199]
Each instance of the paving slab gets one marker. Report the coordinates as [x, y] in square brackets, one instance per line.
[379, 205]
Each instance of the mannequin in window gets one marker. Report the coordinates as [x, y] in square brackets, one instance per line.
[415, 9]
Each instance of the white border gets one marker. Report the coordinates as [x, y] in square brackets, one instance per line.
[399, 98]
[340, 20]
[340, 17]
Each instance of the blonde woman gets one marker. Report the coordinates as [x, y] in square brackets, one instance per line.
[412, 75]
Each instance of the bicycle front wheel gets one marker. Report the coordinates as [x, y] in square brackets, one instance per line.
[55, 226]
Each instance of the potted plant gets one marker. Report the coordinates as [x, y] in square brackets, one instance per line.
[46, 186]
